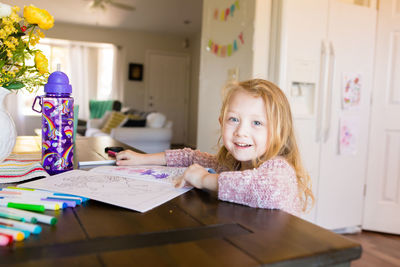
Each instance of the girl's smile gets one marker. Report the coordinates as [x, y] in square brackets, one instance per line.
[244, 127]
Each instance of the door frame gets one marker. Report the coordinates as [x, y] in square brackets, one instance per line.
[146, 78]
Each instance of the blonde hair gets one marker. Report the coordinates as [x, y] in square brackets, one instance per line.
[281, 137]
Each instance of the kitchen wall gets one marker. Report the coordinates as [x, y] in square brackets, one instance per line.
[252, 18]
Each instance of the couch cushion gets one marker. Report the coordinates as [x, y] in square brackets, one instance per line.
[155, 120]
[114, 120]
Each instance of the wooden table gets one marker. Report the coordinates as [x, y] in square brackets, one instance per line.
[194, 229]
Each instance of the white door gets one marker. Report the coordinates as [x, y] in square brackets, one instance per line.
[167, 89]
[351, 38]
[382, 202]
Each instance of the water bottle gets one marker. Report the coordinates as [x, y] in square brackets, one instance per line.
[57, 108]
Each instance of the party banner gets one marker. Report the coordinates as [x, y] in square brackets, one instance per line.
[225, 50]
[224, 14]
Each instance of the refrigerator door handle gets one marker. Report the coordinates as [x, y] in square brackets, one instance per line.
[321, 91]
[328, 108]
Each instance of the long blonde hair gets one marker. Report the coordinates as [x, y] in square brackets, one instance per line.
[281, 137]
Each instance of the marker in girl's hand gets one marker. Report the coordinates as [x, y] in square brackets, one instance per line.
[111, 153]
[211, 170]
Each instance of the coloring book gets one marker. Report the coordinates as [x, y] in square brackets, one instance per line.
[139, 188]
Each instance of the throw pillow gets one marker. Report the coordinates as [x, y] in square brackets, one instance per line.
[104, 119]
[155, 120]
[114, 120]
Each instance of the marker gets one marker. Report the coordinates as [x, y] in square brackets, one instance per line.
[42, 193]
[17, 235]
[25, 215]
[65, 203]
[84, 199]
[26, 233]
[22, 206]
[5, 239]
[211, 170]
[34, 201]
[77, 201]
[111, 153]
[11, 216]
[33, 228]
[38, 217]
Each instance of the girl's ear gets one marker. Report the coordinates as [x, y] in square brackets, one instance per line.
[220, 121]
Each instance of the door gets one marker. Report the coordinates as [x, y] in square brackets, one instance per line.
[167, 89]
[382, 201]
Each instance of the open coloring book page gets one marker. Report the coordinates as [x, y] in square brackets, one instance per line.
[139, 188]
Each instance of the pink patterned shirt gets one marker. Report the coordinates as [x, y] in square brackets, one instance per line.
[273, 185]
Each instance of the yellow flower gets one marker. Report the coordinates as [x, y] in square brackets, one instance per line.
[41, 17]
[41, 63]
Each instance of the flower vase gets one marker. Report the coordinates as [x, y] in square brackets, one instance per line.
[8, 133]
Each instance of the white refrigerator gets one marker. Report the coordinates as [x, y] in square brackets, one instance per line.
[326, 53]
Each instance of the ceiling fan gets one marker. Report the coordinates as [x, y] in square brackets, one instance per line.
[102, 4]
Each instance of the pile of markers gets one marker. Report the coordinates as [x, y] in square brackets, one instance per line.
[21, 208]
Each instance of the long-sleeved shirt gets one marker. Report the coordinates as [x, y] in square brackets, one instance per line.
[273, 185]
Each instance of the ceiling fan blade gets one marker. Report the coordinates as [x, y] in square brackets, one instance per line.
[122, 6]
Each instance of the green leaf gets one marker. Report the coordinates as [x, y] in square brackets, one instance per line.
[14, 86]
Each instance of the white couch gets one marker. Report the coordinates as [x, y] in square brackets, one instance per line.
[155, 137]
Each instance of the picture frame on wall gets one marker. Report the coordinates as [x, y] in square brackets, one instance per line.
[135, 72]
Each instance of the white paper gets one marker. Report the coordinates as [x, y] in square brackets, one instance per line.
[139, 188]
[348, 135]
[351, 90]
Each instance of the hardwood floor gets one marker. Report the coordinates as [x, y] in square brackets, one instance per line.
[379, 250]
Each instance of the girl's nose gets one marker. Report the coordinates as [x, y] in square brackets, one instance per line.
[241, 130]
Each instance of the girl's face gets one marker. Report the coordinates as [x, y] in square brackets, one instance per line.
[244, 127]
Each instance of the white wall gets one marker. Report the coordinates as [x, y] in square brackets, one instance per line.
[214, 69]
[194, 92]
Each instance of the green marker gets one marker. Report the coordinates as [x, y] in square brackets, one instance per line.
[12, 217]
[23, 206]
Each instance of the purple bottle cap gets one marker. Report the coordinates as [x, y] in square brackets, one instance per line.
[58, 83]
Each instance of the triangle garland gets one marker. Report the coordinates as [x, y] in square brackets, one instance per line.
[223, 15]
[225, 50]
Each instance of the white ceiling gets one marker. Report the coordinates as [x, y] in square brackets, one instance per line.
[166, 16]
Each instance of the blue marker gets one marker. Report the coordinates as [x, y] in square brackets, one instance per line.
[211, 170]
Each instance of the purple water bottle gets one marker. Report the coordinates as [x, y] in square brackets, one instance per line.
[57, 108]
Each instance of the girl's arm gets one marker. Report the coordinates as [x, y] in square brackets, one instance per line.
[198, 177]
[273, 185]
[129, 157]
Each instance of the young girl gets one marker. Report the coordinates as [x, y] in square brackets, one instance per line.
[258, 164]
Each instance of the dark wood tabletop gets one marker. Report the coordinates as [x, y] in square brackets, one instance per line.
[194, 229]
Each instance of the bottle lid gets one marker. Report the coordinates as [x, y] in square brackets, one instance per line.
[58, 83]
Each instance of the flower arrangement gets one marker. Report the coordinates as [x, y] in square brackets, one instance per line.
[18, 36]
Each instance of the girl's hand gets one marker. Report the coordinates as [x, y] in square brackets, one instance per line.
[129, 157]
[198, 177]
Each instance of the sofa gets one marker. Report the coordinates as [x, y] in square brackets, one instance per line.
[152, 136]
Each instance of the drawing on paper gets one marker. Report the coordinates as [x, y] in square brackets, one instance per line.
[149, 173]
[351, 92]
[348, 136]
[138, 188]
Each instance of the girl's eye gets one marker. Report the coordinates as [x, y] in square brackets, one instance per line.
[257, 123]
[233, 119]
